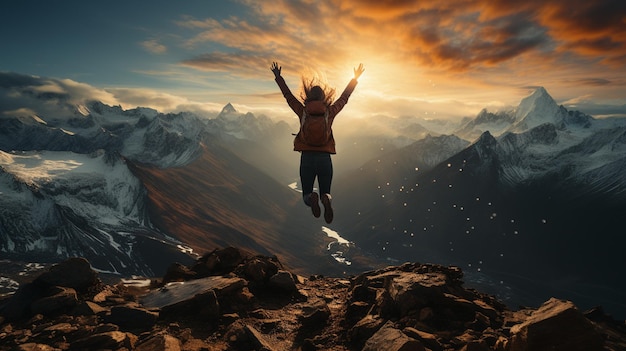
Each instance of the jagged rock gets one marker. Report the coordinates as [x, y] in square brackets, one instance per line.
[356, 311]
[198, 299]
[388, 338]
[54, 291]
[88, 308]
[73, 273]
[269, 324]
[59, 301]
[132, 318]
[412, 306]
[284, 281]
[429, 340]
[556, 325]
[177, 292]
[202, 307]
[259, 269]
[105, 294]
[106, 327]
[107, 340]
[315, 313]
[246, 337]
[36, 347]
[364, 329]
[220, 261]
[178, 272]
[475, 345]
[160, 343]
[258, 340]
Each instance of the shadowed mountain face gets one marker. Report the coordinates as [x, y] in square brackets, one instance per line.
[216, 193]
[554, 234]
[219, 200]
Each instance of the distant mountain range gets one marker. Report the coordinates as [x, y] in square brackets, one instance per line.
[528, 200]
[535, 208]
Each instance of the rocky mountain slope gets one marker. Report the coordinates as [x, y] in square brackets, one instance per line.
[232, 300]
[527, 212]
[196, 183]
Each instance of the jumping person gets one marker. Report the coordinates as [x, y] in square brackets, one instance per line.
[315, 139]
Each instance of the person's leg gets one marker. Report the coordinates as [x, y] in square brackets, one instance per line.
[324, 168]
[307, 179]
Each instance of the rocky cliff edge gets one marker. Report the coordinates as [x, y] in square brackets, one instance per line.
[233, 300]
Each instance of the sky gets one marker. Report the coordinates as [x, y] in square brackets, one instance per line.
[428, 58]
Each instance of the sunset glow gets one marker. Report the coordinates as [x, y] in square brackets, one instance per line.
[449, 58]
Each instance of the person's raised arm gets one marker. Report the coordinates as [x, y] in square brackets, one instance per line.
[357, 71]
[343, 99]
[292, 101]
[276, 69]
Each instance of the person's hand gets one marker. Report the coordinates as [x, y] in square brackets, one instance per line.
[358, 71]
[276, 69]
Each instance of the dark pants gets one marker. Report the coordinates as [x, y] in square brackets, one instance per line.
[315, 164]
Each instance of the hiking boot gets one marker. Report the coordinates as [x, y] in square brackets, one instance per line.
[315, 205]
[328, 208]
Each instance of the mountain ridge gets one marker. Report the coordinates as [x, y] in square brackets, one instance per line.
[485, 201]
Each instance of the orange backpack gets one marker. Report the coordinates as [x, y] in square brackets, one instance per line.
[314, 126]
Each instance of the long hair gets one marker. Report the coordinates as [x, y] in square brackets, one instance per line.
[314, 90]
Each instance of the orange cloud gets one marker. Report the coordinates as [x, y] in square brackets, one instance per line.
[472, 42]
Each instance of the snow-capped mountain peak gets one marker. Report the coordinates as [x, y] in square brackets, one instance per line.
[227, 110]
[536, 109]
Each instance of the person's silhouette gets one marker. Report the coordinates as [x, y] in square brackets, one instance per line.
[315, 160]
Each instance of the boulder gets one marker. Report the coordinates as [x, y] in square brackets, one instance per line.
[107, 340]
[73, 273]
[178, 272]
[201, 307]
[257, 339]
[59, 301]
[388, 338]
[161, 342]
[315, 313]
[177, 292]
[283, 280]
[259, 269]
[132, 318]
[364, 329]
[556, 326]
[429, 340]
[220, 261]
[88, 308]
[31, 346]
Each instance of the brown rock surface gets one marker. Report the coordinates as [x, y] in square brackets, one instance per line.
[231, 303]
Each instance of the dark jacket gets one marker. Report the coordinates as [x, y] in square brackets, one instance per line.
[333, 110]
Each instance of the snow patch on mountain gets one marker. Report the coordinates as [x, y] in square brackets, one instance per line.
[495, 123]
[92, 185]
